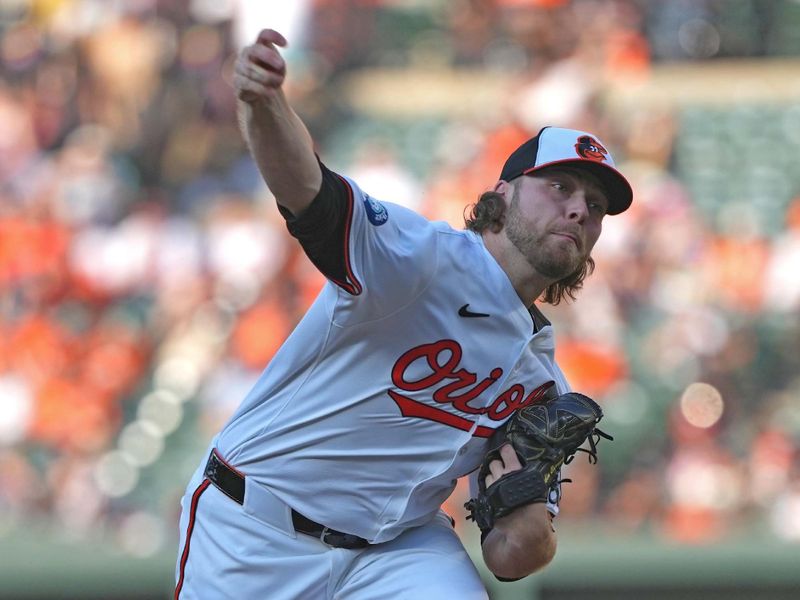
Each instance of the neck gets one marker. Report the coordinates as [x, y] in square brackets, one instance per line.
[528, 283]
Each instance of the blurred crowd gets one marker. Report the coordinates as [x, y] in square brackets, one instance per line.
[146, 277]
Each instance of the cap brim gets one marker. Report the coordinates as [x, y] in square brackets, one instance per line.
[619, 191]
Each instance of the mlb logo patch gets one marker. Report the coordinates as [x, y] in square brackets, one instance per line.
[376, 212]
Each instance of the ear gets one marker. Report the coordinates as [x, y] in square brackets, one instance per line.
[502, 187]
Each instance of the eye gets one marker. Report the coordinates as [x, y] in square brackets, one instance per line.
[597, 208]
[559, 186]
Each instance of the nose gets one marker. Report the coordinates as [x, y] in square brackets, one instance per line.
[576, 207]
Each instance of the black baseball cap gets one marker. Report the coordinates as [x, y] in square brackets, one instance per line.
[556, 146]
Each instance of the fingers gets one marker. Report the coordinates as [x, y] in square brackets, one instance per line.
[251, 70]
[495, 472]
[266, 57]
[510, 458]
[260, 69]
[270, 36]
[509, 462]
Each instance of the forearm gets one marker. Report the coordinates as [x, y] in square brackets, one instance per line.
[520, 543]
[283, 150]
[278, 139]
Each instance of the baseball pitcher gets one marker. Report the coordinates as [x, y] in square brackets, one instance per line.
[423, 359]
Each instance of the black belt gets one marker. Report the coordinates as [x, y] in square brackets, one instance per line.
[231, 483]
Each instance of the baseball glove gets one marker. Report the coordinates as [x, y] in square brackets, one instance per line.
[545, 436]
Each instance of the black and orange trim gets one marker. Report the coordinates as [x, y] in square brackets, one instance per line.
[190, 527]
[351, 285]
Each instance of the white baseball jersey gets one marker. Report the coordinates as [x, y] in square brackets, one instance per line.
[389, 388]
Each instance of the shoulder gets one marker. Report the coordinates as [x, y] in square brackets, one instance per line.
[377, 210]
[466, 245]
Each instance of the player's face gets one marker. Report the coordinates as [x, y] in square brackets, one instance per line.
[555, 218]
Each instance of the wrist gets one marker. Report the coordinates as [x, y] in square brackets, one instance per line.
[521, 543]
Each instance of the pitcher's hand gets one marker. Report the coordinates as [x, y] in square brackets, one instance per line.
[260, 69]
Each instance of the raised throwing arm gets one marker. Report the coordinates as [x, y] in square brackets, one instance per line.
[278, 140]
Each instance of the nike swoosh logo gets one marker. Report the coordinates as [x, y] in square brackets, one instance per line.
[465, 312]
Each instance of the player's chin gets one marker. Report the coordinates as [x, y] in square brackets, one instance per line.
[568, 245]
[561, 263]
[572, 259]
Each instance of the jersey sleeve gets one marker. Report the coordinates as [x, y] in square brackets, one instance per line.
[322, 229]
[379, 252]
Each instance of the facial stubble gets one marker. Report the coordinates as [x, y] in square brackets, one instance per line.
[537, 245]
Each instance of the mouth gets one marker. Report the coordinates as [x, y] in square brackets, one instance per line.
[570, 236]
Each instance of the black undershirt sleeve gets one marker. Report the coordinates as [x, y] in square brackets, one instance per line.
[321, 227]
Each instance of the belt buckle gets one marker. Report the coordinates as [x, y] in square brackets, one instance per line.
[211, 467]
[324, 534]
[346, 541]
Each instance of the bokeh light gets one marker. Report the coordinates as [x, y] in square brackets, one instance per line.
[702, 405]
[142, 442]
[116, 474]
[17, 409]
[163, 409]
[179, 376]
[141, 534]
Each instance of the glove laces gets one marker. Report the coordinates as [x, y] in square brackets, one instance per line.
[594, 439]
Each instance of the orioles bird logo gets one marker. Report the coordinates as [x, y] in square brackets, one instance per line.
[590, 148]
